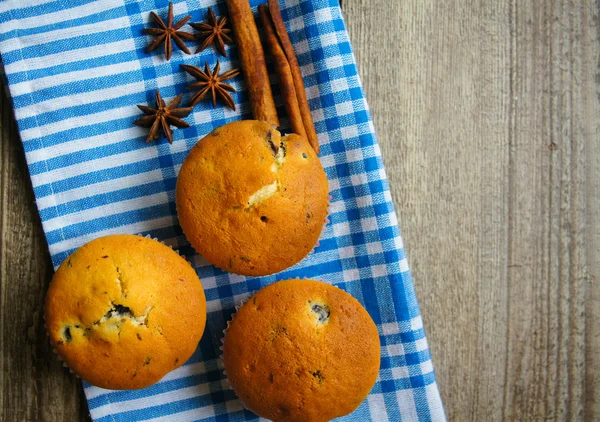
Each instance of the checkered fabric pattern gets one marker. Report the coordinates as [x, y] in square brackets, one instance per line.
[76, 69]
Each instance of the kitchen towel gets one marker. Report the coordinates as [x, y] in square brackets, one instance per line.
[76, 70]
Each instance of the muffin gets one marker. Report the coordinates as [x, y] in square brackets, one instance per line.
[301, 350]
[251, 201]
[124, 310]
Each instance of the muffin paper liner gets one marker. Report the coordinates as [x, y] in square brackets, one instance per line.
[221, 356]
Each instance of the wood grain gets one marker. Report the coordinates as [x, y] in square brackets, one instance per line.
[488, 117]
[33, 384]
[487, 114]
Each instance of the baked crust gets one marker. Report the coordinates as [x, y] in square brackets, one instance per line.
[124, 310]
[302, 350]
[250, 201]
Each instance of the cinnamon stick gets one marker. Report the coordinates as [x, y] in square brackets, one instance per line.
[288, 49]
[252, 58]
[283, 71]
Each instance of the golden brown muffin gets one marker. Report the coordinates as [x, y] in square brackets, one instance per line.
[124, 310]
[250, 201]
[301, 350]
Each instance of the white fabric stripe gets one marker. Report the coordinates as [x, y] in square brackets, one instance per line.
[377, 407]
[103, 163]
[79, 75]
[98, 189]
[199, 261]
[66, 33]
[197, 414]
[354, 155]
[79, 54]
[395, 349]
[181, 372]
[83, 144]
[404, 266]
[60, 103]
[104, 210]
[379, 271]
[390, 328]
[393, 217]
[416, 323]
[406, 402]
[436, 409]
[55, 17]
[77, 121]
[211, 282]
[426, 367]
[139, 227]
[216, 305]
[156, 400]
[328, 161]
[6, 5]
[177, 147]
[421, 344]
[343, 229]
[398, 350]
[400, 372]
[233, 405]
[188, 415]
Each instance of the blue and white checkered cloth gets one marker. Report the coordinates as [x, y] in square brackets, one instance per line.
[77, 68]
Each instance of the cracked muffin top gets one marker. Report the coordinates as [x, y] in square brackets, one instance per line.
[301, 350]
[251, 201]
[124, 310]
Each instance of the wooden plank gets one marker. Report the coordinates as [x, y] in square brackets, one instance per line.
[546, 327]
[550, 142]
[589, 71]
[33, 385]
[441, 108]
[487, 115]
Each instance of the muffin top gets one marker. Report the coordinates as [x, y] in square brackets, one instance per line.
[301, 350]
[250, 201]
[124, 310]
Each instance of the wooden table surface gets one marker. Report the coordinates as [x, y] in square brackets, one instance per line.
[488, 116]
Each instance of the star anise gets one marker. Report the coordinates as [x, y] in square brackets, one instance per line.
[166, 33]
[163, 116]
[213, 32]
[211, 82]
